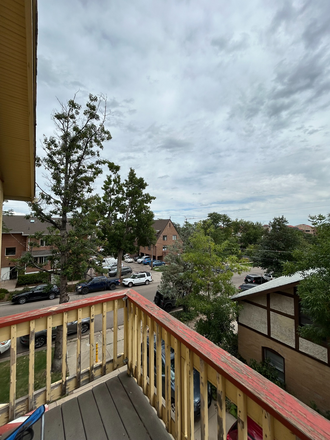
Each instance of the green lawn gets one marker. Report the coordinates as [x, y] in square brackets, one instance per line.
[22, 376]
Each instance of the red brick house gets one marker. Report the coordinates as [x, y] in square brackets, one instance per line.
[166, 235]
[268, 329]
[16, 241]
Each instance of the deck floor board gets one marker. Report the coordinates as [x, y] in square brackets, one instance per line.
[115, 409]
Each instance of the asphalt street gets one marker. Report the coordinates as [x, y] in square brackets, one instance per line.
[148, 292]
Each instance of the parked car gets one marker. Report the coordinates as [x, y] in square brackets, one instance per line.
[243, 287]
[146, 261]
[129, 260]
[255, 279]
[124, 271]
[141, 259]
[157, 263]
[96, 284]
[4, 346]
[254, 431]
[41, 337]
[137, 278]
[44, 291]
[197, 394]
[164, 302]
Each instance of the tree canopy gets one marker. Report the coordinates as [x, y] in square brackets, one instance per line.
[314, 290]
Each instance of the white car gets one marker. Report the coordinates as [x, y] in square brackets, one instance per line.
[128, 260]
[4, 346]
[140, 260]
[138, 278]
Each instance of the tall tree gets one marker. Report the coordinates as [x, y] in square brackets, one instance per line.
[126, 217]
[276, 246]
[314, 290]
[249, 233]
[71, 162]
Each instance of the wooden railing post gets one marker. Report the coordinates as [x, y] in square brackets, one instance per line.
[221, 407]
[31, 365]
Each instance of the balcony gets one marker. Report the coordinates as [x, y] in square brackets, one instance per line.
[279, 414]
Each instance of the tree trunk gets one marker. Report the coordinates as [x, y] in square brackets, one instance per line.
[119, 260]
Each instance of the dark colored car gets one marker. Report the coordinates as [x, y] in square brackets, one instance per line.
[41, 337]
[197, 394]
[164, 302]
[157, 263]
[96, 284]
[44, 291]
[124, 271]
[254, 431]
[243, 287]
[255, 279]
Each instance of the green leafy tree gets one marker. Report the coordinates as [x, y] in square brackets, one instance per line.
[248, 233]
[186, 230]
[314, 290]
[276, 246]
[71, 162]
[126, 217]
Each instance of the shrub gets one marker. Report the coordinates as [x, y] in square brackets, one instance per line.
[33, 278]
[3, 291]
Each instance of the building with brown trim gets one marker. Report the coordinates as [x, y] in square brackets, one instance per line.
[16, 241]
[268, 329]
[166, 235]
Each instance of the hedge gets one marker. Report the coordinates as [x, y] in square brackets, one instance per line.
[33, 278]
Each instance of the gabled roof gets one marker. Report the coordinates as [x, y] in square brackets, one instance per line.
[159, 226]
[270, 286]
[18, 224]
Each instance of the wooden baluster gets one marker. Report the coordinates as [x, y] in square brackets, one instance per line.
[78, 373]
[151, 362]
[104, 338]
[185, 393]
[31, 364]
[49, 358]
[92, 344]
[64, 351]
[178, 385]
[115, 335]
[159, 372]
[126, 330]
[135, 339]
[221, 407]
[130, 337]
[138, 341]
[13, 359]
[144, 353]
[191, 415]
[204, 401]
[168, 390]
[241, 415]
[267, 425]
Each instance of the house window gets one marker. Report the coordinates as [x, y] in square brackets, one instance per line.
[164, 237]
[276, 360]
[164, 248]
[10, 251]
[173, 237]
[43, 242]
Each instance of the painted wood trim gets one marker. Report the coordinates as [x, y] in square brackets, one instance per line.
[159, 371]
[241, 415]
[221, 407]
[115, 333]
[49, 358]
[138, 342]
[167, 380]
[13, 365]
[92, 343]
[203, 394]
[151, 363]
[178, 385]
[78, 371]
[144, 353]
[64, 351]
[126, 328]
[104, 337]
[31, 364]
[191, 415]
[267, 425]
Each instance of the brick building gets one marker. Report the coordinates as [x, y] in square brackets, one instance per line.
[16, 240]
[166, 235]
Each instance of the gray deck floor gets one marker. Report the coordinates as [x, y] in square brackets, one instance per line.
[116, 409]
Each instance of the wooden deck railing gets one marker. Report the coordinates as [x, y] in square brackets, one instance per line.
[279, 414]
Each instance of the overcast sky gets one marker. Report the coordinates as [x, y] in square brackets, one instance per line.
[220, 106]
